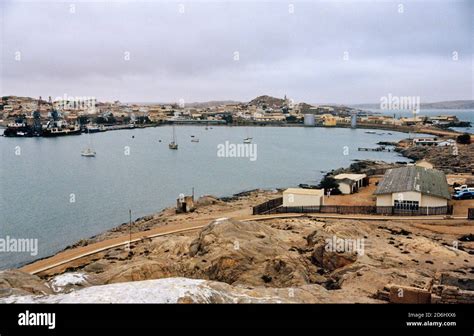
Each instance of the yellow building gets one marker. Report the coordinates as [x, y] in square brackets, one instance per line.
[328, 120]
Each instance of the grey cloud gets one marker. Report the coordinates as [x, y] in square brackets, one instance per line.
[190, 55]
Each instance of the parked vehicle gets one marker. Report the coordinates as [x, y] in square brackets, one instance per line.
[463, 188]
[461, 195]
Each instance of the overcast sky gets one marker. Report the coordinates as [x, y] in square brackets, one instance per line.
[322, 52]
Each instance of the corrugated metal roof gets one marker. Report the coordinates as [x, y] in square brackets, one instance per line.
[426, 181]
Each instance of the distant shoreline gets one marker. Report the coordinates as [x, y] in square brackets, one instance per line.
[402, 129]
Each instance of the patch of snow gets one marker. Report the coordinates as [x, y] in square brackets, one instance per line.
[168, 290]
[66, 279]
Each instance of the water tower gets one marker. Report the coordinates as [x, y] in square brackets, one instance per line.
[309, 120]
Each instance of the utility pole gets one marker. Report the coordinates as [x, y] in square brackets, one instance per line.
[130, 229]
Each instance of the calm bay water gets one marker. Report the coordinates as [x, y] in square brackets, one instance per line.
[37, 186]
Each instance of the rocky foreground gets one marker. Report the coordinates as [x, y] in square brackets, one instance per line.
[276, 260]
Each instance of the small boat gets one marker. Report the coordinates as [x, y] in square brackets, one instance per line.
[195, 140]
[371, 132]
[173, 144]
[88, 152]
[94, 128]
[248, 139]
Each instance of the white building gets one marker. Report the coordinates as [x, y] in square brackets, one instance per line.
[425, 142]
[350, 183]
[303, 197]
[409, 188]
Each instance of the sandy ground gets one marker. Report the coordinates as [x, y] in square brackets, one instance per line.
[363, 197]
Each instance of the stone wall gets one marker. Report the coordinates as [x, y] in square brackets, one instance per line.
[451, 294]
[452, 288]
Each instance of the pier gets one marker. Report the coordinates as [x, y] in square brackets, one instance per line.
[377, 149]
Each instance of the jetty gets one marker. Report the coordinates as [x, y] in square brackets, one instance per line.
[377, 149]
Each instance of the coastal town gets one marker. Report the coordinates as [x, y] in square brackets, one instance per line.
[364, 234]
[236, 165]
[25, 116]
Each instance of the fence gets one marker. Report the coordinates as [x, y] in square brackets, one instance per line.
[267, 206]
[274, 206]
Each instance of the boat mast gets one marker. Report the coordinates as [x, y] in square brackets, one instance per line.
[174, 134]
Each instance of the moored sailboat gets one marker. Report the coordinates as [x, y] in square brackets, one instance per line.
[173, 144]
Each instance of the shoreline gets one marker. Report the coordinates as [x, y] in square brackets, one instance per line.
[165, 211]
[448, 132]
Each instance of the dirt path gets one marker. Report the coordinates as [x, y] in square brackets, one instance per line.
[79, 252]
[186, 225]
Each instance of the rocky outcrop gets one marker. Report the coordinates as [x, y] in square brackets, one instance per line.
[272, 258]
[13, 282]
[445, 158]
[330, 260]
[368, 167]
[182, 290]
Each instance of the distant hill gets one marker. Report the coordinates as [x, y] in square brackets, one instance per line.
[445, 105]
[212, 103]
[453, 104]
[193, 104]
[267, 100]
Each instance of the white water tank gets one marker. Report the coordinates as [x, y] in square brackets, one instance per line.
[354, 120]
[309, 120]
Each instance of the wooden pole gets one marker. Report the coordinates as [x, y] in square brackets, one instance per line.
[130, 229]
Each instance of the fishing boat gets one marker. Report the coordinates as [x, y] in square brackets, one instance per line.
[59, 127]
[173, 144]
[94, 128]
[18, 129]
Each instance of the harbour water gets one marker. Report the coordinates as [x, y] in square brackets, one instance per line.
[49, 192]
